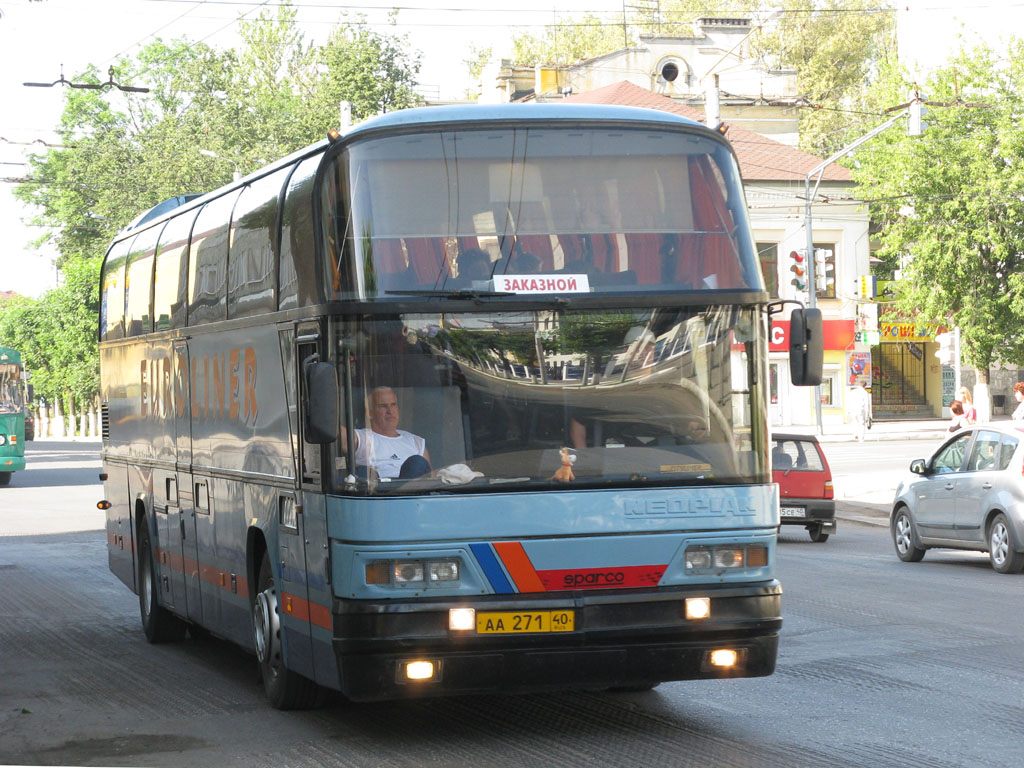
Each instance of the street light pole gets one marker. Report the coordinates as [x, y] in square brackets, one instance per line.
[235, 173]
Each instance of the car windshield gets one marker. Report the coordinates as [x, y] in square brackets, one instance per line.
[537, 399]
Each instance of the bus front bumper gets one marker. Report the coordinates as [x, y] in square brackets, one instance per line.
[12, 463]
[618, 640]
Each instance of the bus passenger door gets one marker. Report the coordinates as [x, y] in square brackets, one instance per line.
[182, 517]
[299, 531]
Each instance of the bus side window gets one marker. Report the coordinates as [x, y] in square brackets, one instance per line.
[112, 298]
[252, 260]
[298, 270]
[170, 298]
[138, 284]
[208, 261]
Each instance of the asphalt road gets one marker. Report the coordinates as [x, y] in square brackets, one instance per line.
[882, 663]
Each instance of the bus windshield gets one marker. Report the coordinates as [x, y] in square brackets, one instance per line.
[539, 399]
[540, 209]
[11, 400]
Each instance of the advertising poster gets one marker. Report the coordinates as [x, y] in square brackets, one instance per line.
[858, 369]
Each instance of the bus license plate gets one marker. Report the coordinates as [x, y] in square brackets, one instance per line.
[793, 512]
[519, 622]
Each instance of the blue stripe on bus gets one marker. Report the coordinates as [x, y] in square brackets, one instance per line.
[492, 568]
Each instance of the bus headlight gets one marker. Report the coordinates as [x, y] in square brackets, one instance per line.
[408, 571]
[721, 557]
[3, 439]
[441, 572]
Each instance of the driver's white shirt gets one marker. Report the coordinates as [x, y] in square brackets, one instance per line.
[387, 454]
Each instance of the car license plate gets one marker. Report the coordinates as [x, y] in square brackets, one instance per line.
[520, 622]
[793, 512]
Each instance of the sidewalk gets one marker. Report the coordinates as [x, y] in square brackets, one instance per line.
[918, 429]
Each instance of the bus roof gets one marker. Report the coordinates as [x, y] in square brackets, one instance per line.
[471, 113]
[427, 117]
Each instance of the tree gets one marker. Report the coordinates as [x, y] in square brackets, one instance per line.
[122, 153]
[569, 41]
[374, 73]
[950, 203]
[837, 48]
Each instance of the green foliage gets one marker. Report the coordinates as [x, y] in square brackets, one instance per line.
[475, 64]
[374, 73]
[837, 49]
[570, 41]
[124, 153]
[950, 202]
[56, 335]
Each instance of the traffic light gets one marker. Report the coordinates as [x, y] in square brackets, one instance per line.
[946, 351]
[823, 269]
[798, 266]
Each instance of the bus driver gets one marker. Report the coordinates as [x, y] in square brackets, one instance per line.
[392, 452]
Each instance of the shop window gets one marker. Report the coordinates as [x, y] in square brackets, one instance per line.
[830, 388]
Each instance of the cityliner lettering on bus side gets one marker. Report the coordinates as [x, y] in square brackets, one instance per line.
[223, 385]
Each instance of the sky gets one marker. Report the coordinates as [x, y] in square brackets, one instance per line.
[40, 40]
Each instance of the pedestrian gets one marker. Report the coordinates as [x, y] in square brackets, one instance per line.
[970, 412]
[1018, 392]
[957, 421]
[860, 410]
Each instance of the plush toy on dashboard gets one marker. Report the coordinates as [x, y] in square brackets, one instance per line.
[564, 473]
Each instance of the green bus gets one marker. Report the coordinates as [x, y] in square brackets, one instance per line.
[12, 414]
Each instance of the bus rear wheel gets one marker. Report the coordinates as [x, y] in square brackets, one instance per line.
[284, 688]
[159, 624]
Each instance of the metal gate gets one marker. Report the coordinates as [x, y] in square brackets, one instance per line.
[898, 374]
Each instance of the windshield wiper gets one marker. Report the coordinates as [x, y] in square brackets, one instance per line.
[461, 293]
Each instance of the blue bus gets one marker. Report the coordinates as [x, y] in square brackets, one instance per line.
[13, 388]
[463, 400]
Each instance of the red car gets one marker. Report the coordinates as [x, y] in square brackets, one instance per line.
[805, 484]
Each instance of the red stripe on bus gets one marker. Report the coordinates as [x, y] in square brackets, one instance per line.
[311, 613]
[206, 573]
[519, 567]
[630, 577]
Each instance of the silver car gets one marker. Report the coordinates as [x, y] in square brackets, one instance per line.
[968, 495]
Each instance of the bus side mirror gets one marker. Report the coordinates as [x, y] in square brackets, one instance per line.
[806, 347]
[321, 403]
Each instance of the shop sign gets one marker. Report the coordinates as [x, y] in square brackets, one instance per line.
[836, 334]
[908, 331]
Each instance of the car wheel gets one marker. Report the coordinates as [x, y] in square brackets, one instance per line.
[159, 624]
[904, 537]
[1002, 548]
[284, 688]
[816, 535]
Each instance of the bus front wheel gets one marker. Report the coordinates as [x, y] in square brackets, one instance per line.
[284, 688]
[5, 478]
